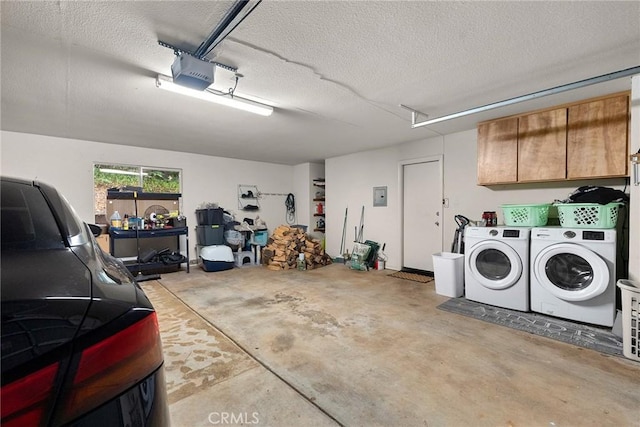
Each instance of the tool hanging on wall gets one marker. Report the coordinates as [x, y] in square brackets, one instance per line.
[290, 204]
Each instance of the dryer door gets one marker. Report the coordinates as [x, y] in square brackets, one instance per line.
[494, 264]
[571, 272]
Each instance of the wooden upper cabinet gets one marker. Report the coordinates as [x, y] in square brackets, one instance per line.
[542, 146]
[580, 140]
[498, 152]
[597, 138]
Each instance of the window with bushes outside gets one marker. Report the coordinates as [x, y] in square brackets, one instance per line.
[150, 179]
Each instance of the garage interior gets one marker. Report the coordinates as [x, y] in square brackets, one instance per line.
[358, 93]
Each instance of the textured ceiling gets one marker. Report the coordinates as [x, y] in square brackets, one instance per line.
[336, 71]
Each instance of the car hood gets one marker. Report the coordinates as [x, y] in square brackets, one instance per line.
[45, 295]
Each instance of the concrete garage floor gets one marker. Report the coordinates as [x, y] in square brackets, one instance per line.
[334, 346]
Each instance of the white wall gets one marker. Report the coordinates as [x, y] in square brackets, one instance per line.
[349, 185]
[302, 192]
[634, 211]
[351, 178]
[67, 164]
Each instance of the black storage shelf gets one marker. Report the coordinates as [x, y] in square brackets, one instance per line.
[130, 195]
[157, 267]
[117, 233]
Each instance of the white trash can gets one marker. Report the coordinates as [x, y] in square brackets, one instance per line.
[448, 271]
[630, 292]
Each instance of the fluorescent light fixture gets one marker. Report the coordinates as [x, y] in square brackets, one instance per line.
[121, 172]
[164, 82]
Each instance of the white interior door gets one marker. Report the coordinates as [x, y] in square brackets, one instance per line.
[422, 214]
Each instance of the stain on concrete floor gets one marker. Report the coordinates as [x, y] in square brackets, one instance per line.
[196, 355]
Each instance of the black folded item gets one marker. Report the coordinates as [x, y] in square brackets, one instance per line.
[250, 208]
[173, 258]
[596, 194]
[153, 255]
[147, 256]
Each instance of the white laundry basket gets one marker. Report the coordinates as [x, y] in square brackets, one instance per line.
[448, 272]
[630, 318]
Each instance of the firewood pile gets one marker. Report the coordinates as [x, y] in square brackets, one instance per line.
[285, 245]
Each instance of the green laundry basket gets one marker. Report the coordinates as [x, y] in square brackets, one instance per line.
[533, 215]
[588, 215]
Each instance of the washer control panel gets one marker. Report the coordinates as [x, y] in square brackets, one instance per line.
[592, 235]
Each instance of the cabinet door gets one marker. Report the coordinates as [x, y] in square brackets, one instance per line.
[597, 142]
[542, 146]
[498, 151]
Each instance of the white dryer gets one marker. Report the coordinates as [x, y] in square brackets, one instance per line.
[497, 266]
[573, 274]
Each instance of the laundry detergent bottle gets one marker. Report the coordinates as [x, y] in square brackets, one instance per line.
[116, 220]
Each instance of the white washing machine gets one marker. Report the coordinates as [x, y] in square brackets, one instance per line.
[573, 274]
[496, 266]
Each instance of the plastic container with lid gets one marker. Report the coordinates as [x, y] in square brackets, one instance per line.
[302, 265]
[116, 220]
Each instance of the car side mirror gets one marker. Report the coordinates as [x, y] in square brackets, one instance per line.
[96, 230]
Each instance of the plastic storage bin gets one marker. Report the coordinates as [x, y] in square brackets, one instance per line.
[448, 269]
[216, 258]
[630, 318]
[588, 215]
[211, 216]
[260, 237]
[208, 235]
[526, 215]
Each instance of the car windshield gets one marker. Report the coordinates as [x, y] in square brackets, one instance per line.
[26, 220]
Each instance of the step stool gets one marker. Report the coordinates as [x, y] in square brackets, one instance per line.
[242, 258]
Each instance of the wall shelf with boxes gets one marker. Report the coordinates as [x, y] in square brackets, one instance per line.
[318, 207]
[147, 237]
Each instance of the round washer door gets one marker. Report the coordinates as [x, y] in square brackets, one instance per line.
[494, 264]
[571, 272]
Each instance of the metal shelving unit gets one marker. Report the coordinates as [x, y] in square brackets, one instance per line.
[248, 197]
